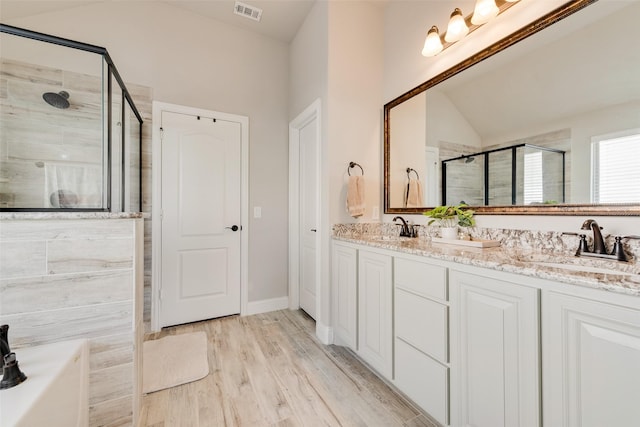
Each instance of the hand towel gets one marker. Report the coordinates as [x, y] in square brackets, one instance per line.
[414, 194]
[72, 186]
[355, 196]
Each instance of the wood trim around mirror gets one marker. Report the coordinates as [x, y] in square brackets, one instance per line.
[623, 209]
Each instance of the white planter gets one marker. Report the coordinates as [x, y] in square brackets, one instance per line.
[450, 233]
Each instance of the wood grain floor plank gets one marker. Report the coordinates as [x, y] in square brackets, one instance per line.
[270, 370]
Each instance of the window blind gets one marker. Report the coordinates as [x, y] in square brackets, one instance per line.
[616, 170]
[533, 189]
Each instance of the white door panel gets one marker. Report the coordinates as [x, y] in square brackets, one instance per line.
[201, 188]
[308, 225]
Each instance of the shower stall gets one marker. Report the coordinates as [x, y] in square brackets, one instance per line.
[70, 133]
[522, 174]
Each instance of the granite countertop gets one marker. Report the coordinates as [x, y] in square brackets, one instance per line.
[72, 215]
[613, 276]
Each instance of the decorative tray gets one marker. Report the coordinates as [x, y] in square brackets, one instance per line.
[477, 243]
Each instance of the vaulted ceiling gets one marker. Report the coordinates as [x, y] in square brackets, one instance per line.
[281, 19]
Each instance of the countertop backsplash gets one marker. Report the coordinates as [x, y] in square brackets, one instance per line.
[547, 242]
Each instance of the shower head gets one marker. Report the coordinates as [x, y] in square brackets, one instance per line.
[469, 159]
[58, 100]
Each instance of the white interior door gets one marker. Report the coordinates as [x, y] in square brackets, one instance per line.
[432, 180]
[308, 220]
[201, 214]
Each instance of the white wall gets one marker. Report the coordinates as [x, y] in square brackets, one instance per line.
[336, 57]
[406, 25]
[354, 105]
[199, 62]
[307, 82]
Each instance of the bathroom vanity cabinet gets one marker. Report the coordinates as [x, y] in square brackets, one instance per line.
[421, 335]
[375, 311]
[590, 361]
[477, 346]
[344, 277]
[495, 352]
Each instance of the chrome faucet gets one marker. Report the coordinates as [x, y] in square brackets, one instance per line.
[598, 241]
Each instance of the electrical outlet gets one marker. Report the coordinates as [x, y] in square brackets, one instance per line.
[375, 214]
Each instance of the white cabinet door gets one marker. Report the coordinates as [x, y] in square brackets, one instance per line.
[344, 280]
[494, 352]
[375, 311]
[591, 363]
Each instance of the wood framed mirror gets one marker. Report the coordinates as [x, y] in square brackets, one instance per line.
[567, 81]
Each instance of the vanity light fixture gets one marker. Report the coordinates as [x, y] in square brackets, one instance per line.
[459, 26]
[484, 11]
[432, 44]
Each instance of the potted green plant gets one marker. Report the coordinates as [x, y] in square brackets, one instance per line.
[450, 217]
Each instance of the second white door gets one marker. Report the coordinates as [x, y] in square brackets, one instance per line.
[201, 204]
[308, 220]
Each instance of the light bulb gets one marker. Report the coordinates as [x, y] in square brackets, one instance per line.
[457, 28]
[432, 44]
[484, 11]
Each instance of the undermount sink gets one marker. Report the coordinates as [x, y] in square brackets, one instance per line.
[583, 268]
[389, 238]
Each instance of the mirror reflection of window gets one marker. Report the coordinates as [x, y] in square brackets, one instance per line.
[614, 168]
[533, 188]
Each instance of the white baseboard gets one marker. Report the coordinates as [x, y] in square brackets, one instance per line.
[324, 333]
[267, 305]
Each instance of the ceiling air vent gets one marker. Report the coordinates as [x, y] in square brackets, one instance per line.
[247, 11]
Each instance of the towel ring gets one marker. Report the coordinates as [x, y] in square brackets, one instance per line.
[352, 165]
[409, 170]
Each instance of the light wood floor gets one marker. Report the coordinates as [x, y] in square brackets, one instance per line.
[269, 370]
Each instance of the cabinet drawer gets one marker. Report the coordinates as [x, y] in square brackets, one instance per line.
[422, 278]
[422, 323]
[423, 380]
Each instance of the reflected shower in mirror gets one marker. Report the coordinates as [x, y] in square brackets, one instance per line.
[517, 175]
[527, 89]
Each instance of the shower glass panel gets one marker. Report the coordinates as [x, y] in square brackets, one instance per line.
[56, 140]
[499, 188]
[116, 146]
[463, 179]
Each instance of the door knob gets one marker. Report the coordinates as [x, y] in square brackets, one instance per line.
[314, 230]
[233, 228]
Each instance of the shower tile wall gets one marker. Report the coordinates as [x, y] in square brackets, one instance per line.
[23, 142]
[500, 179]
[143, 98]
[69, 279]
[466, 183]
[35, 134]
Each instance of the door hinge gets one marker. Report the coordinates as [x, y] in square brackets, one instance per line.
[161, 133]
[161, 214]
